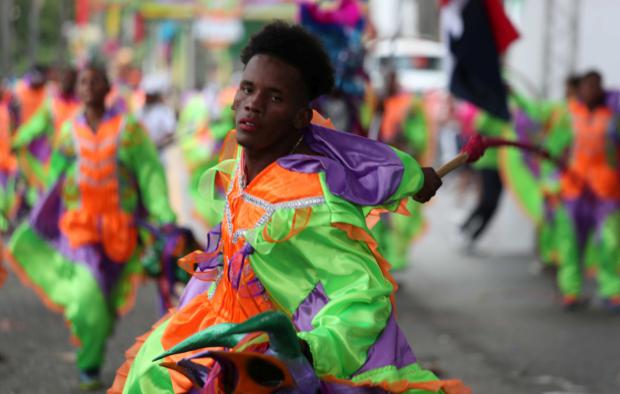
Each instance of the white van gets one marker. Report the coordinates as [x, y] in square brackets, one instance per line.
[418, 63]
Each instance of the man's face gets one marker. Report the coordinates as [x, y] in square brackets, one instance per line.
[92, 87]
[269, 104]
[590, 90]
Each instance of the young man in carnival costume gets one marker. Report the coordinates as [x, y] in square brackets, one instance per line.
[589, 224]
[79, 249]
[403, 126]
[40, 130]
[294, 239]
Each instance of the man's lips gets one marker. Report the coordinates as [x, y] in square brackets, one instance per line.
[248, 125]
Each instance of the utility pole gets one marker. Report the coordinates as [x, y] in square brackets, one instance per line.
[561, 43]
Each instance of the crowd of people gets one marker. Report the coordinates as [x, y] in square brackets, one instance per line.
[306, 223]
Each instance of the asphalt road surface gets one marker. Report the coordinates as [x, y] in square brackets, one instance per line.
[490, 319]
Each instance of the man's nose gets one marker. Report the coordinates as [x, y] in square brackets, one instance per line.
[255, 103]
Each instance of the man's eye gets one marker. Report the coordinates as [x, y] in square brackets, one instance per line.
[246, 90]
[276, 99]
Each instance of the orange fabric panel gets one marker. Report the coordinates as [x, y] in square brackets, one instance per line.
[395, 111]
[30, 100]
[319, 120]
[100, 218]
[448, 386]
[8, 162]
[273, 185]
[589, 165]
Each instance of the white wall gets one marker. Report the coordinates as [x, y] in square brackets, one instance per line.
[598, 43]
[599, 39]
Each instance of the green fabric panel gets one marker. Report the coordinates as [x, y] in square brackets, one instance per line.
[140, 153]
[70, 286]
[547, 242]
[538, 110]
[124, 288]
[39, 124]
[226, 122]
[522, 183]
[412, 180]
[415, 129]
[608, 273]
[410, 373]
[193, 116]
[488, 125]
[569, 272]
[395, 233]
[8, 199]
[146, 376]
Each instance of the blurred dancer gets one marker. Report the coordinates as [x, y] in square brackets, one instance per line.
[403, 126]
[590, 223]
[294, 240]
[535, 182]
[33, 151]
[79, 249]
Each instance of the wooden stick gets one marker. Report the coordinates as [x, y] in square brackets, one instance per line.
[452, 164]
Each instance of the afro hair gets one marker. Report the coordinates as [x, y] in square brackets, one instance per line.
[295, 46]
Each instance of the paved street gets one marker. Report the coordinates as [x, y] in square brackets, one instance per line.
[490, 319]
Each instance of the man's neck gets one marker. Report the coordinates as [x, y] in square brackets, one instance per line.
[93, 115]
[257, 160]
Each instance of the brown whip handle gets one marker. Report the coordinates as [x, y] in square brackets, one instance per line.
[452, 164]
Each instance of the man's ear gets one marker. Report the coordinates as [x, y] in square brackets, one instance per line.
[303, 118]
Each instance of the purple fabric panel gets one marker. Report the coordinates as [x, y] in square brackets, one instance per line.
[40, 148]
[391, 348]
[44, 220]
[194, 288]
[360, 170]
[588, 212]
[335, 388]
[314, 302]
[612, 100]
[524, 127]
[4, 178]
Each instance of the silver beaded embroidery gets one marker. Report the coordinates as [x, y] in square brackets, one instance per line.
[268, 207]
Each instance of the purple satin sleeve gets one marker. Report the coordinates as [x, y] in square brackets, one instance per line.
[360, 170]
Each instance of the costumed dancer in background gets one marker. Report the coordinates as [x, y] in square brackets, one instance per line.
[203, 124]
[403, 126]
[340, 25]
[79, 250]
[31, 94]
[535, 182]
[294, 239]
[589, 224]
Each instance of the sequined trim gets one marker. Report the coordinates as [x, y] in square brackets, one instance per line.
[268, 207]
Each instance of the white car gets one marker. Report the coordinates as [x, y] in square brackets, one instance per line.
[418, 63]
